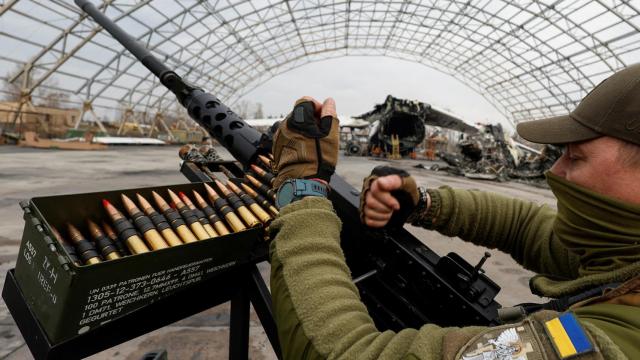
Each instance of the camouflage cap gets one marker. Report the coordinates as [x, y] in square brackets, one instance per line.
[612, 108]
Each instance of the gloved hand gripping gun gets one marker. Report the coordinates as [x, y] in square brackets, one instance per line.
[402, 282]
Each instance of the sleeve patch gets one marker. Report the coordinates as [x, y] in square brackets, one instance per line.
[511, 342]
[567, 336]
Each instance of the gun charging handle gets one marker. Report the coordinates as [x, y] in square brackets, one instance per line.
[477, 270]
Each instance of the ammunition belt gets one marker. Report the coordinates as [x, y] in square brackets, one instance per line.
[211, 214]
[86, 249]
[247, 199]
[143, 223]
[174, 218]
[105, 245]
[223, 206]
[125, 228]
[71, 251]
[188, 215]
[159, 220]
[198, 213]
[235, 201]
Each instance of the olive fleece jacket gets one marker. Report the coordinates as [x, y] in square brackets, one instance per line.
[520, 228]
[320, 316]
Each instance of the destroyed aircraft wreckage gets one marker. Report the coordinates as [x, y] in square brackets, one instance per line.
[482, 153]
[489, 154]
[406, 119]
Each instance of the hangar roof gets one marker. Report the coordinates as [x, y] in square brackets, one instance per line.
[529, 58]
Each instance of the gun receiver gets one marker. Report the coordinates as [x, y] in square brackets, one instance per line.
[402, 282]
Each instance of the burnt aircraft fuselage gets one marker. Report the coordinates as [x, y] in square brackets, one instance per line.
[407, 120]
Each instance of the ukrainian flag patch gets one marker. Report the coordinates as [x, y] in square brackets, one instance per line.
[567, 336]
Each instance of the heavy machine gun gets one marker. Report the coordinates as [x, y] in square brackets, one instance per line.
[392, 269]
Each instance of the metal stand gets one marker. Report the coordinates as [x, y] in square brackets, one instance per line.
[242, 286]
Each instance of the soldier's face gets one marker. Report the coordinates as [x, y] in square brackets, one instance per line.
[595, 165]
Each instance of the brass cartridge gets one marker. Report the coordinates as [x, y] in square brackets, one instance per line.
[199, 214]
[161, 223]
[225, 210]
[210, 213]
[84, 247]
[174, 219]
[189, 217]
[251, 203]
[245, 214]
[125, 229]
[122, 248]
[264, 175]
[71, 251]
[262, 188]
[144, 224]
[271, 156]
[103, 243]
[260, 199]
[265, 160]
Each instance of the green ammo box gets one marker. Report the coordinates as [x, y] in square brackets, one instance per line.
[69, 300]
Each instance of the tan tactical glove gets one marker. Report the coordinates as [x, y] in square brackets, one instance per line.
[387, 201]
[306, 143]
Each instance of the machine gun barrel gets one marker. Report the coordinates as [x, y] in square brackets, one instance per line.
[224, 125]
[402, 282]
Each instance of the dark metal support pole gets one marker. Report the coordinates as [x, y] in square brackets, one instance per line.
[261, 300]
[239, 325]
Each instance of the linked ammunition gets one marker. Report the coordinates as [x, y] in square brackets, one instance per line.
[125, 229]
[262, 188]
[191, 153]
[189, 217]
[238, 205]
[175, 220]
[102, 242]
[209, 153]
[161, 223]
[251, 203]
[266, 176]
[199, 214]
[85, 248]
[144, 224]
[71, 251]
[122, 248]
[265, 160]
[260, 199]
[225, 210]
[218, 224]
[227, 172]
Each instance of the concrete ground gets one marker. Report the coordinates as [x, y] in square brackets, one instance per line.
[25, 173]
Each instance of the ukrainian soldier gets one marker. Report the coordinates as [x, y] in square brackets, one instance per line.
[592, 241]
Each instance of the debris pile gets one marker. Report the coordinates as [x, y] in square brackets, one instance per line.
[491, 155]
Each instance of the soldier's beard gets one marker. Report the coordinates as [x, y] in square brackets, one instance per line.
[604, 232]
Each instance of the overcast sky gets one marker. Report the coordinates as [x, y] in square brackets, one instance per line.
[358, 83]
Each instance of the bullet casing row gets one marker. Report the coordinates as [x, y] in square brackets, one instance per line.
[199, 214]
[191, 223]
[125, 229]
[238, 205]
[258, 206]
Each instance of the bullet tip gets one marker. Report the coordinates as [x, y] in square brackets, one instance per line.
[105, 203]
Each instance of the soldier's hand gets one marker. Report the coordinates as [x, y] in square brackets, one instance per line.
[306, 142]
[388, 195]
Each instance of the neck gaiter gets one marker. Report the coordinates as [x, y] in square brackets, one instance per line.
[604, 232]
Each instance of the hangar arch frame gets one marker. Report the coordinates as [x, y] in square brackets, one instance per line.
[530, 59]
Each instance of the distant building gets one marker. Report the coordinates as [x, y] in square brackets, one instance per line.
[46, 121]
